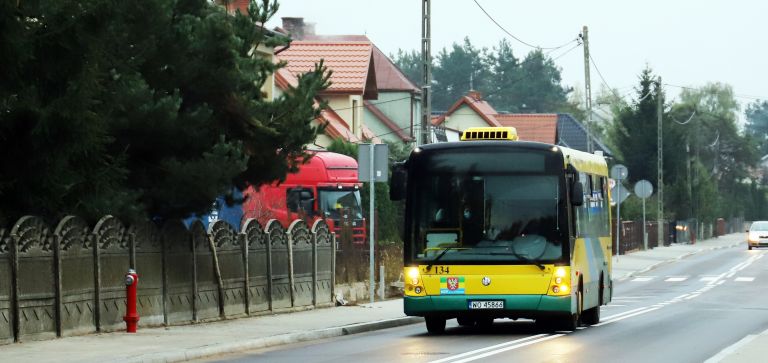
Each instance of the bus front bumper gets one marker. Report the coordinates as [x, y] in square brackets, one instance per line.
[515, 306]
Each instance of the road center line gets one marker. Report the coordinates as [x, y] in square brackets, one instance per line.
[502, 350]
[623, 313]
[648, 310]
[476, 351]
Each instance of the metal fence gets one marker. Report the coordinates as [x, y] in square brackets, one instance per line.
[69, 280]
[685, 231]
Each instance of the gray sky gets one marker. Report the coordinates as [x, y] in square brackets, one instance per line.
[688, 43]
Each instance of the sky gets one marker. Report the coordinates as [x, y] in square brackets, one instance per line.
[686, 42]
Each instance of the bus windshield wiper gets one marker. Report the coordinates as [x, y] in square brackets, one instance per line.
[442, 253]
[520, 257]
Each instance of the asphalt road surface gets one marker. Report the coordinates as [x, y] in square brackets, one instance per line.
[686, 311]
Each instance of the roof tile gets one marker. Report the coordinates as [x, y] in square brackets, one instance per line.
[349, 61]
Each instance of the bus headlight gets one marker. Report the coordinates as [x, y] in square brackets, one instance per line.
[560, 285]
[413, 272]
[413, 283]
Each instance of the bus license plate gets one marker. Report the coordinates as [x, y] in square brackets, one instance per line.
[496, 304]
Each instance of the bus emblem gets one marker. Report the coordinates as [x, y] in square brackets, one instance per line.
[452, 285]
[486, 281]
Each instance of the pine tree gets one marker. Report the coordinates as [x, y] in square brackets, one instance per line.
[142, 111]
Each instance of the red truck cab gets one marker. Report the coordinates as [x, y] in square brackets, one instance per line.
[323, 188]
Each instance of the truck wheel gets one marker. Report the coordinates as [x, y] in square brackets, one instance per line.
[435, 325]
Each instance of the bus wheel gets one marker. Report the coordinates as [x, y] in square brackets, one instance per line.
[435, 324]
[591, 316]
[465, 321]
[571, 322]
[484, 322]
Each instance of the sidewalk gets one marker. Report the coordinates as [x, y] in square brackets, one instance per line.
[180, 343]
[640, 262]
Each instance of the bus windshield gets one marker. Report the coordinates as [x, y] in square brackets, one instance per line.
[331, 200]
[507, 216]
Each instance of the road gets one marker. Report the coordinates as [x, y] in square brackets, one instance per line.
[686, 311]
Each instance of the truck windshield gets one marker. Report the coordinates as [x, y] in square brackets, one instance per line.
[332, 200]
[468, 212]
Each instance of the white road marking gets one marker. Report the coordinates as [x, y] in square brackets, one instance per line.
[744, 279]
[643, 278]
[676, 279]
[499, 348]
[679, 297]
[622, 314]
[648, 310]
[708, 278]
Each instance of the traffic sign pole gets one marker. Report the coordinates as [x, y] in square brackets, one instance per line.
[618, 172]
[644, 189]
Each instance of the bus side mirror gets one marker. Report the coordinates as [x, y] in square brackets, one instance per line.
[577, 194]
[397, 184]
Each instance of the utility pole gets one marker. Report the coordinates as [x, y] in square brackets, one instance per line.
[426, 61]
[587, 86]
[660, 164]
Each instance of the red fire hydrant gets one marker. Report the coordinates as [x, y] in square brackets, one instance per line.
[131, 317]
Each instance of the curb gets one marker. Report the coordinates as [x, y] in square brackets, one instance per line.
[678, 258]
[182, 355]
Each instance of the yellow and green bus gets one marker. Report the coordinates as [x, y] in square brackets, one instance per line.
[500, 228]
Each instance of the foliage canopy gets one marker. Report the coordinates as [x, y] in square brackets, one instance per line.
[141, 111]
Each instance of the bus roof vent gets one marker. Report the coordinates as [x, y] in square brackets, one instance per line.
[489, 133]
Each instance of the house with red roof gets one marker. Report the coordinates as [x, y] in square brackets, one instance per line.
[369, 93]
[353, 81]
[471, 110]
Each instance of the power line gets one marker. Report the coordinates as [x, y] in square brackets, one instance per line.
[372, 103]
[603, 78]
[516, 38]
[757, 98]
[566, 52]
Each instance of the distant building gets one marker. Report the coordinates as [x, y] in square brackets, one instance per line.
[471, 110]
[373, 97]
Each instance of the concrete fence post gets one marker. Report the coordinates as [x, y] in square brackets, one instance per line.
[333, 267]
[291, 277]
[246, 271]
[96, 281]
[16, 321]
[57, 282]
[314, 268]
[270, 293]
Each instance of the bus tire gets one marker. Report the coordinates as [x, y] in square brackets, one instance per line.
[484, 322]
[571, 322]
[591, 316]
[435, 324]
[465, 321]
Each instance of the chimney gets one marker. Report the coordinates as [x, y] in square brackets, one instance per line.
[475, 95]
[295, 27]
